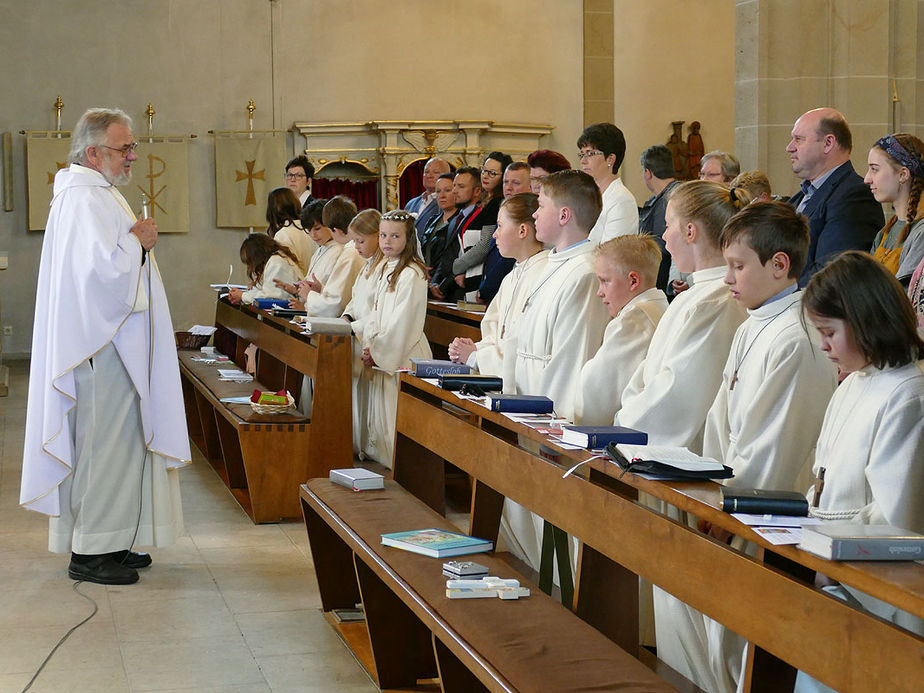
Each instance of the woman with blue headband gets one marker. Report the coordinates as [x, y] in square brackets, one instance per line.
[896, 175]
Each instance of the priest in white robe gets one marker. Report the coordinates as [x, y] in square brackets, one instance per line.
[105, 428]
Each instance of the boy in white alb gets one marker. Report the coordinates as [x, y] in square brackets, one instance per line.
[627, 269]
[562, 324]
[495, 353]
[775, 386]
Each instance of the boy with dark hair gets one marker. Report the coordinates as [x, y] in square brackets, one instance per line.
[775, 387]
[602, 149]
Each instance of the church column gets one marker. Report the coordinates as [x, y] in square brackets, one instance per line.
[599, 62]
[794, 56]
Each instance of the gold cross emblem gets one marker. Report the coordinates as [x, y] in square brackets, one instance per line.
[250, 198]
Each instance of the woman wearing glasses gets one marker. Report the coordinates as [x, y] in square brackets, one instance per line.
[602, 148]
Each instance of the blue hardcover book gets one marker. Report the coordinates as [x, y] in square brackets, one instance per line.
[521, 404]
[267, 303]
[598, 437]
[431, 368]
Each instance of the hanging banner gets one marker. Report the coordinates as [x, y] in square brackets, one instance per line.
[247, 167]
[162, 173]
[46, 154]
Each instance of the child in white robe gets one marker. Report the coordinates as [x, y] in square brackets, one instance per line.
[327, 286]
[775, 388]
[267, 262]
[627, 270]
[671, 391]
[562, 323]
[364, 233]
[284, 226]
[872, 440]
[394, 333]
[495, 352]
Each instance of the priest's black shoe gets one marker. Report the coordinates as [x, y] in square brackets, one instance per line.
[132, 559]
[102, 569]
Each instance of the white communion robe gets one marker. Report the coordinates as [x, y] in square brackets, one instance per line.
[763, 424]
[671, 391]
[669, 396]
[872, 447]
[277, 267]
[340, 264]
[625, 344]
[296, 239]
[495, 353]
[359, 309]
[561, 328]
[394, 335]
[619, 216]
[119, 415]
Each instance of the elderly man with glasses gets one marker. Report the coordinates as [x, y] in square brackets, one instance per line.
[105, 429]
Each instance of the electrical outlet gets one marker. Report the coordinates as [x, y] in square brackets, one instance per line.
[7, 330]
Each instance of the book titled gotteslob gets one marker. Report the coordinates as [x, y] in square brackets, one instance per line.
[438, 543]
[431, 368]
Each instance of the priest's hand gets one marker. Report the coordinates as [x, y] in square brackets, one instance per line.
[146, 232]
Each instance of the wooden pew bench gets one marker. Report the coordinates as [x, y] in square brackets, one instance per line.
[444, 323]
[416, 632]
[263, 458]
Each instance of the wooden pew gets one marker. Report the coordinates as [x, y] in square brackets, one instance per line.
[444, 323]
[770, 599]
[416, 632]
[264, 458]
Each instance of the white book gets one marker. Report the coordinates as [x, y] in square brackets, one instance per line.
[357, 478]
[677, 457]
[851, 541]
[318, 325]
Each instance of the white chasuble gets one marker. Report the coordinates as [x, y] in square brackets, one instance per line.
[296, 239]
[277, 267]
[341, 264]
[561, 328]
[625, 344]
[393, 336]
[90, 279]
[671, 391]
[496, 351]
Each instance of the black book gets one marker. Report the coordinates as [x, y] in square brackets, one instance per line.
[487, 383]
[757, 501]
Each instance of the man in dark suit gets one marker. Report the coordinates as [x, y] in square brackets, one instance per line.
[842, 212]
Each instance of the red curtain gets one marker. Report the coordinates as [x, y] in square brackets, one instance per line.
[410, 185]
[365, 193]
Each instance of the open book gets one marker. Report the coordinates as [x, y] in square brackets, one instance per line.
[664, 462]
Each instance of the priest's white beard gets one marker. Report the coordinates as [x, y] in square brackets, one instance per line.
[121, 178]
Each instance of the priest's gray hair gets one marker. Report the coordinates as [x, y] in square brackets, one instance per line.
[90, 131]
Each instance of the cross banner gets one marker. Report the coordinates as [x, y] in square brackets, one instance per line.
[45, 155]
[161, 172]
[247, 167]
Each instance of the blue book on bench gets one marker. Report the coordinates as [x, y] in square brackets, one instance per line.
[598, 437]
[521, 404]
[437, 543]
[267, 303]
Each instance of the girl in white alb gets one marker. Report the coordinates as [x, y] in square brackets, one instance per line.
[364, 232]
[871, 447]
[395, 330]
[267, 263]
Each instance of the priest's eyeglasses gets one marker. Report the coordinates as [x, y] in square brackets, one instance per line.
[123, 151]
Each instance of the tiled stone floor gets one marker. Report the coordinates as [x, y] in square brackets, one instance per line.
[233, 607]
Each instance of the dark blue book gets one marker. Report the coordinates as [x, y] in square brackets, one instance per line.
[521, 404]
[431, 368]
[598, 437]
